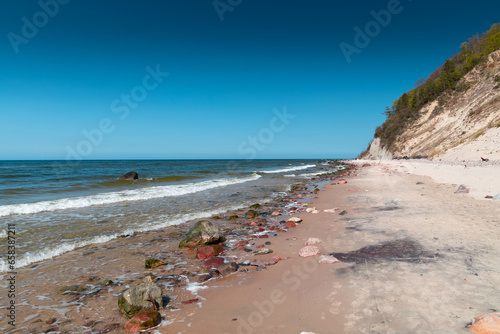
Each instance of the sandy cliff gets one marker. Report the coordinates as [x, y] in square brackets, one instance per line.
[459, 125]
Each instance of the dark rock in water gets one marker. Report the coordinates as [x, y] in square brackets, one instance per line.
[251, 214]
[228, 268]
[129, 176]
[153, 263]
[77, 289]
[202, 233]
[255, 206]
[462, 190]
[145, 296]
[143, 320]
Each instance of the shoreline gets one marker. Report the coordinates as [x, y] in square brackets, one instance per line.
[101, 271]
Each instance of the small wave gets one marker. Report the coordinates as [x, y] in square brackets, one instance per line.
[285, 170]
[121, 196]
[60, 249]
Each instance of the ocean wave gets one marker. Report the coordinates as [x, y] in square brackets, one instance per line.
[171, 178]
[59, 249]
[121, 196]
[285, 170]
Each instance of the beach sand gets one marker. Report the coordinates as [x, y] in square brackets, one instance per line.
[415, 258]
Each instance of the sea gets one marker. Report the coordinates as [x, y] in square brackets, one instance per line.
[57, 206]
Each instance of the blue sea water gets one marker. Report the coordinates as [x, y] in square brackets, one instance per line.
[58, 206]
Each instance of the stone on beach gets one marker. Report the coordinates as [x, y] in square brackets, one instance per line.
[330, 210]
[202, 233]
[227, 268]
[129, 176]
[294, 219]
[143, 320]
[312, 241]
[309, 210]
[462, 190]
[140, 297]
[328, 259]
[290, 225]
[214, 262]
[206, 252]
[342, 181]
[263, 251]
[264, 262]
[153, 263]
[486, 324]
[309, 251]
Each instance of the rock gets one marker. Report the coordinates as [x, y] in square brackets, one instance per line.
[138, 298]
[255, 206]
[263, 251]
[153, 263]
[290, 225]
[419, 183]
[393, 202]
[342, 181]
[264, 262]
[251, 214]
[343, 213]
[204, 277]
[232, 217]
[261, 268]
[295, 220]
[206, 252]
[202, 233]
[276, 213]
[489, 197]
[330, 210]
[486, 324]
[255, 224]
[143, 320]
[129, 176]
[327, 259]
[227, 268]
[77, 289]
[312, 241]
[309, 251]
[308, 210]
[485, 159]
[213, 262]
[462, 190]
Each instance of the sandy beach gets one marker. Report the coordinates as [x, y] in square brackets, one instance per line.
[415, 257]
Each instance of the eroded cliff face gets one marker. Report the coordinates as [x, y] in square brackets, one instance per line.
[455, 120]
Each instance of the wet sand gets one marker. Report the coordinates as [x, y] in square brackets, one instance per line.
[416, 258]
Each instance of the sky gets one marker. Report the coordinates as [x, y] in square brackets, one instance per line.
[224, 79]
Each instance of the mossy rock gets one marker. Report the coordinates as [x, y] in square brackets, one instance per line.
[232, 217]
[251, 214]
[153, 263]
[202, 233]
[215, 217]
[135, 299]
[255, 206]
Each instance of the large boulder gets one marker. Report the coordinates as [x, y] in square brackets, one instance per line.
[202, 233]
[129, 176]
[140, 297]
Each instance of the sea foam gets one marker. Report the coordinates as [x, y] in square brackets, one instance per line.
[288, 169]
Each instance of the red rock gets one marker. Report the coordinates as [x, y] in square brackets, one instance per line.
[255, 224]
[261, 229]
[206, 252]
[261, 246]
[342, 181]
[277, 258]
[143, 320]
[214, 262]
[264, 262]
[241, 243]
[264, 236]
[190, 301]
[290, 225]
[486, 324]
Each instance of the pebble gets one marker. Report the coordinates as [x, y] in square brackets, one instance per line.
[312, 241]
[328, 259]
[309, 251]
[263, 251]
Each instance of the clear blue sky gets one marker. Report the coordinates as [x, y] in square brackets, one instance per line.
[73, 72]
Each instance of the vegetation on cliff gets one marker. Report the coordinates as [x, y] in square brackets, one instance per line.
[405, 110]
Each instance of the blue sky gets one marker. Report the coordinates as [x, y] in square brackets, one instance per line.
[78, 77]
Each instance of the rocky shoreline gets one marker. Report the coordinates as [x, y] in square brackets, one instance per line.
[79, 291]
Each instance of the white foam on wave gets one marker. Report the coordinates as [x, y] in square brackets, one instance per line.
[121, 196]
[288, 169]
[60, 249]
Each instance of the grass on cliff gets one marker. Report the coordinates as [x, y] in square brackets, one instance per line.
[405, 110]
